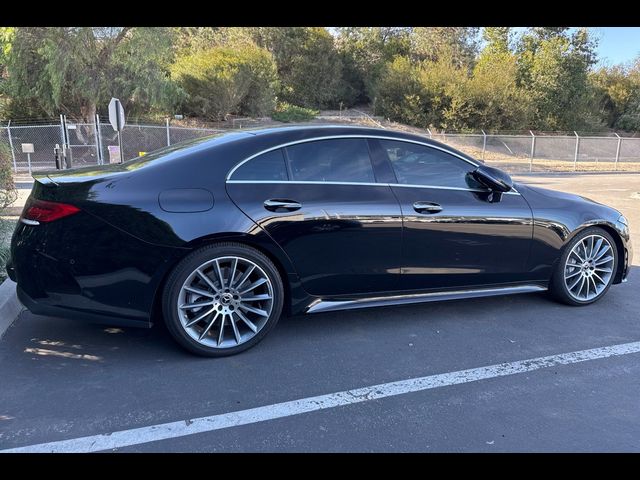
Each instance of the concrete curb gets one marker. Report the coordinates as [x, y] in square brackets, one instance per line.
[10, 306]
[13, 211]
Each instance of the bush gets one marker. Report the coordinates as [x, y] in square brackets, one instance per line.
[400, 96]
[222, 81]
[628, 123]
[8, 195]
[285, 112]
[309, 66]
[8, 192]
[443, 95]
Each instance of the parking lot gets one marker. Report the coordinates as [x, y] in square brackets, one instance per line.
[105, 388]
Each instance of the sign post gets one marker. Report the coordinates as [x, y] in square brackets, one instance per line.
[28, 149]
[116, 119]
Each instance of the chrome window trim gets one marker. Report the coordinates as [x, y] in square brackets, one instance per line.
[334, 137]
[368, 184]
[311, 182]
[513, 191]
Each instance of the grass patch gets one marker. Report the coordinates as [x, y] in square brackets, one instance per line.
[285, 112]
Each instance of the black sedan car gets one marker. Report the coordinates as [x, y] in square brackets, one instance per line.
[222, 235]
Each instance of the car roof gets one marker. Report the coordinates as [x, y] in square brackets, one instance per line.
[330, 129]
[284, 134]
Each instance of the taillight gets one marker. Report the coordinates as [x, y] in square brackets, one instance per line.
[36, 211]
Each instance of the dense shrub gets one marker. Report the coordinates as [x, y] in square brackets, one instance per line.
[8, 195]
[222, 81]
[443, 95]
[285, 112]
[628, 123]
[309, 66]
[400, 96]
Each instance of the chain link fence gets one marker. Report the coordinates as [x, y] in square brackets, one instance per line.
[97, 143]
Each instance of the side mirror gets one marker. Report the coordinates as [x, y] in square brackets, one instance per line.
[494, 179]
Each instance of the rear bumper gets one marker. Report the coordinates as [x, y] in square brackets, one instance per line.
[42, 308]
[82, 267]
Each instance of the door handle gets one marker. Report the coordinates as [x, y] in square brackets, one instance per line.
[277, 205]
[427, 207]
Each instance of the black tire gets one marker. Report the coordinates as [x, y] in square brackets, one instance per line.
[557, 287]
[192, 261]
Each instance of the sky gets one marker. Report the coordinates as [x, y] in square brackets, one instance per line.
[617, 44]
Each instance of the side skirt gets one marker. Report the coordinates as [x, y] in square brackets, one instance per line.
[331, 305]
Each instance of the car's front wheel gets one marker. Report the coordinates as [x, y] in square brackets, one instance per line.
[586, 268]
[222, 299]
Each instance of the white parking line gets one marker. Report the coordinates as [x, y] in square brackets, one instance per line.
[153, 433]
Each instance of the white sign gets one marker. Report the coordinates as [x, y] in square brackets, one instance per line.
[116, 114]
[27, 148]
[114, 153]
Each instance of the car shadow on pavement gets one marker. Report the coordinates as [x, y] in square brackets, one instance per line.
[60, 343]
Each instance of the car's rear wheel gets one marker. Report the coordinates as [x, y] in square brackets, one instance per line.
[222, 299]
[586, 268]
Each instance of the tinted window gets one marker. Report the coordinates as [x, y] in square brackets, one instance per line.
[268, 166]
[343, 160]
[419, 165]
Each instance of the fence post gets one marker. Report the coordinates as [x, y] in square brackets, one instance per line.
[430, 134]
[64, 136]
[484, 142]
[618, 151]
[533, 150]
[168, 132]
[13, 154]
[99, 140]
[575, 155]
[66, 132]
[96, 128]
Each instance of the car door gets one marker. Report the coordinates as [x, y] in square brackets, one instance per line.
[320, 202]
[454, 235]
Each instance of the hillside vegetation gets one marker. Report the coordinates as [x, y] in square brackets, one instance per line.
[454, 78]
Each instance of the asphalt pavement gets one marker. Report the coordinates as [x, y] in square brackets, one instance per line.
[63, 379]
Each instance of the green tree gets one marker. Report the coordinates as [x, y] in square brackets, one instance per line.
[459, 44]
[497, 40]
[309, 67]
[364, 52]
[617, 95]
[6, 39]
[553, 67]
[499, 103]
[75, 70]
[400, 95]
[447, 83]
[222, 80]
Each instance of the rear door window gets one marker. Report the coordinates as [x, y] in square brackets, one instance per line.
[336, 160]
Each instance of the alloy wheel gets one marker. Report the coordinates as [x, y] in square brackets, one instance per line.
[225, 302]
[589, 268]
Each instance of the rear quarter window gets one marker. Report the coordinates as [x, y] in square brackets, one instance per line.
[269, 166]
